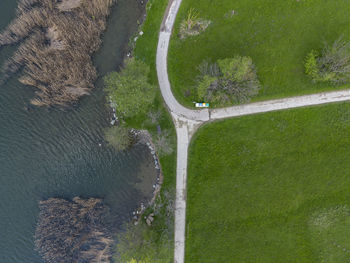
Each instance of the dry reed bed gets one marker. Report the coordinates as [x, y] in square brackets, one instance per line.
[73, 231]
[59, 39]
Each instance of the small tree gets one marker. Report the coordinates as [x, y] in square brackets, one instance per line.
[154, 116]
[231, 80]
[207, 83]
[191, 20]
[130, 89]
[163, 144]
[150, 244]
[332, 65]
[119, 137]
[192, 25]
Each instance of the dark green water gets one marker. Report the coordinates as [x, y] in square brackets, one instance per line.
[52, 153]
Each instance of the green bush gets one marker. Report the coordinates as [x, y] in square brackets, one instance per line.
[203, 86]
[311, 68]
[230, 80]
[130, 89]
[333, 65]
[149, 244]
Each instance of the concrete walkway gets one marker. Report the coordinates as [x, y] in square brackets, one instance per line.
[187, 121]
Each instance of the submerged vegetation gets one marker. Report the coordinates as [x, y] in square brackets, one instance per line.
[73, 231]
[119, 137]
[59, 38]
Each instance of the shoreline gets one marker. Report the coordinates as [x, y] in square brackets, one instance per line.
[154, 226]
[141, 136]
[145, 138]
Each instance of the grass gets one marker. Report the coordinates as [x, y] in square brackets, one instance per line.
[276, 34]
[271, 188]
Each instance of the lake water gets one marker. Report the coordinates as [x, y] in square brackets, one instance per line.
[53, 153]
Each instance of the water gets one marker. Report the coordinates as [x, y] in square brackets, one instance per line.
[54, 153]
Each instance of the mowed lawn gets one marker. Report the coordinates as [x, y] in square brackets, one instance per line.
[271, 188]
[276, 34]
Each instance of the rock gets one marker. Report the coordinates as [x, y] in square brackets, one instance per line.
[150, 219]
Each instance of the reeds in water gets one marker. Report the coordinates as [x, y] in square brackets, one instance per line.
[58, 39]
[73, 231]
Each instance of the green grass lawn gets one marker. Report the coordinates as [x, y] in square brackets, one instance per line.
[271, 188]
[276, 34]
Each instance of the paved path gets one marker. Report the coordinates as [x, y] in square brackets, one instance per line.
[280, 104]
[187, 121]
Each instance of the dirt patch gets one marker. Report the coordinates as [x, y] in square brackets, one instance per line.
[67, 5]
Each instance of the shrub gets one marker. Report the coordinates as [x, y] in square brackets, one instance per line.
[154, 116]
[333, 65]
[130, 89]
[311, 64]
[149, 244]
[163, 144]
[119, 137]
[229, 80]
[192, 25]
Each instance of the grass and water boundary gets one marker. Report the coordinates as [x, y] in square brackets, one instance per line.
[143, 243]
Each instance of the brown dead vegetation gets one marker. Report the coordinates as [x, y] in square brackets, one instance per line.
[73, 231]
[59, 38]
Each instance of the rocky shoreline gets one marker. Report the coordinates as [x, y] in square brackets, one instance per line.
[140, 136]
[144, 137]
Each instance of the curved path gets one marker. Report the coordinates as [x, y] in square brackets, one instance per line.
[187, 121]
